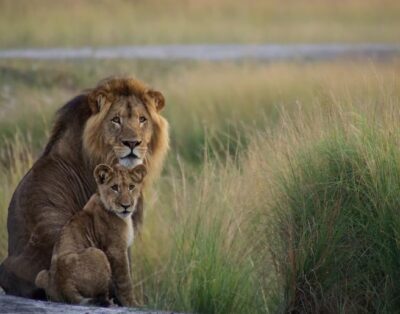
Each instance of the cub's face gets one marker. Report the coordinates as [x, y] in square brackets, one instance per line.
[119, 187]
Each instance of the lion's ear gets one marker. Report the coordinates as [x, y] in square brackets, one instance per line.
[97, 102]
[103, 174]
[138, 173]
[101, 101]
[158, 98]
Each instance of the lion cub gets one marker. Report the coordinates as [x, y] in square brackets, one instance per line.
[91, 252]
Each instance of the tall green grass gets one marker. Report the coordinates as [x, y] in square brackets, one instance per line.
[207, 265]
[336, 221]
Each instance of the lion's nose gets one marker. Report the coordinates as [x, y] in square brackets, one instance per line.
[131, 144]
[124, 206]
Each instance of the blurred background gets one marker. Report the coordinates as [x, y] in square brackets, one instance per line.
[75, 23]
[280, 192]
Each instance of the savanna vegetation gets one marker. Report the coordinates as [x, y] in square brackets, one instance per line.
[280, 191]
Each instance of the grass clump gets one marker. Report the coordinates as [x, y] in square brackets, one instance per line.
[207, 264]
[339, 222]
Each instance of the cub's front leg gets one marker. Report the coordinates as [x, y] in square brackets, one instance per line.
[121, 276]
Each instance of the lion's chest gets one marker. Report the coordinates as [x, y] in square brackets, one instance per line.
[129, 235]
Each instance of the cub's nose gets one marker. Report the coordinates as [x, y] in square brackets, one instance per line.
[131, 144]
[125, 206]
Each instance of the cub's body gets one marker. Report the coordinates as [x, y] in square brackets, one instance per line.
[91, 254]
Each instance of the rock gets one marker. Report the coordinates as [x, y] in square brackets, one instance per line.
[12, 304]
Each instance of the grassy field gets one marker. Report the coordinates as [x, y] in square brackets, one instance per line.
[49, 23]
[280, 191]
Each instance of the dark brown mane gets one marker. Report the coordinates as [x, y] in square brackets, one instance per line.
[72, 116]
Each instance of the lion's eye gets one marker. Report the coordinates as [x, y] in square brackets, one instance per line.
[115, 187]
[142, 119]
[131, 187]
[116, 120]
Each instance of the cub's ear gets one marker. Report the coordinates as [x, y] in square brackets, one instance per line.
[103, 174]
[138, 173]
[42, 279]
[158, 99]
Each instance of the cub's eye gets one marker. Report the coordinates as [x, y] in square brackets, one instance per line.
[115, 187]
[131, 187]
[142, 119]
[116, 120]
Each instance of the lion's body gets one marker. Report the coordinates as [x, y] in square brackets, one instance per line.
[61, 181]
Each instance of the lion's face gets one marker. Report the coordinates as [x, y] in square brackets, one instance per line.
[126, 126]
[127, 129]
[119, 187]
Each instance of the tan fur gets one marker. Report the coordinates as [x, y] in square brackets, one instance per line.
[91, 252]
[60, 182]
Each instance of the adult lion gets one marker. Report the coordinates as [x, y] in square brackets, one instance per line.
[119, 121]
